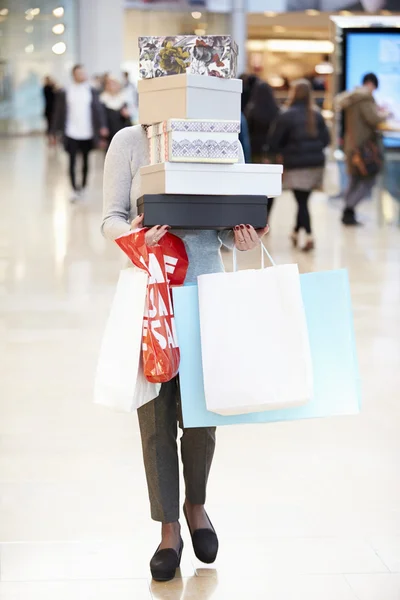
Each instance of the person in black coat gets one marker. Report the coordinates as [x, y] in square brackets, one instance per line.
[300, 136]
[249, 81]
[49, 94]
[261, 111]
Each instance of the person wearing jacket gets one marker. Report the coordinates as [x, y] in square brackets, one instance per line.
[244, 138]
[49, 95]
[300, 136]
[261, 111]
[361, 118]
[118, 110]
[80, 117]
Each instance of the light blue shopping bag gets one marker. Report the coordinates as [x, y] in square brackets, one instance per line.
[327, 302]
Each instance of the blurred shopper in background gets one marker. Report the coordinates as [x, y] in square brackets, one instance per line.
[97, 83]
[249, 82]
[244, 138]
[261, 111]
[131, 95]
[361, 118]
[81, 118]
[49, 94]
[300, 136]
[114, 99]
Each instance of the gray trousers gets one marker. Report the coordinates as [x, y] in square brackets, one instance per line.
[158, 421]
[358, 189]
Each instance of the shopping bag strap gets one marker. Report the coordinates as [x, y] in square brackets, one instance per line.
[264, 252]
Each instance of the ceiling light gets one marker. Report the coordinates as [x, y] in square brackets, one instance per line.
[311, 12]
[324, 68]
[59, 48]
[29, 17]
[29, 49]
[269, 13]
[58, 29]
[58, 12]
[279, 29]
[35, 12]
[29, 29]
[300, 46]
[256, 45]
[196, 14]
[276, 81]
[200, 32]
[4, 12]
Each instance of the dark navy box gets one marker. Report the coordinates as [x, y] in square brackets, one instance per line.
[203, 212]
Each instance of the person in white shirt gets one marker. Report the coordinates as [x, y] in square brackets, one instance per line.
[80, 116]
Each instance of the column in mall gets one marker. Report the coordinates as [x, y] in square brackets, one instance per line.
[239, 31]
[101, 27]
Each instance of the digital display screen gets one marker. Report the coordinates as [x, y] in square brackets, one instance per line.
[379, 53]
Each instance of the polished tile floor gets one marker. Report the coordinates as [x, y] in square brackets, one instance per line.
[306, 510]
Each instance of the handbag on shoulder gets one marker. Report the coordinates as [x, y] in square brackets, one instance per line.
[367, 159]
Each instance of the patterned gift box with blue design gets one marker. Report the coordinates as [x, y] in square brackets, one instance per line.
[184, 140]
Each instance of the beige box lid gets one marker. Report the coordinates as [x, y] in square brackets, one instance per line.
[187, 80]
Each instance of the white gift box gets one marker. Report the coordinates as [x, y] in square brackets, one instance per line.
[189, 97]
[212, 179]
[194, 140]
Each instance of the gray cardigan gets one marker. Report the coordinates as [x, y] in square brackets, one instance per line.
[129, 150]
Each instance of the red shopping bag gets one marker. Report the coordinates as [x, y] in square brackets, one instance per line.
[166, 264]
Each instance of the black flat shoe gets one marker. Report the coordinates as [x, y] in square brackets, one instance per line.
[205, 542]
[165, 562]
[349, 218]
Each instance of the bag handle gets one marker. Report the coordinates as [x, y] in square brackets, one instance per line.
[264, 252]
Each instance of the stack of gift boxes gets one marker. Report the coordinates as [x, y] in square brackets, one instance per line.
[190, 103]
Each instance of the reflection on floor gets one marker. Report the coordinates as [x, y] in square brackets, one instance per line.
[304, 510]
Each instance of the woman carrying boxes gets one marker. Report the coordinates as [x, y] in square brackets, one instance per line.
[189, 110]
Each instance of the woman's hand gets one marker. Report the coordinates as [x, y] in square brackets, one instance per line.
[153, 235]
[247, 238]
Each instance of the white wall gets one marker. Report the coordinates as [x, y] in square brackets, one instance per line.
[101, 27]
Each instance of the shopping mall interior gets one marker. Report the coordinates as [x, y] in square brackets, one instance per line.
[304, 508]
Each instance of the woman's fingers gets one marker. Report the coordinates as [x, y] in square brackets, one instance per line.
[247, 238]
[242, 238]
[239, 239]
[162, 231]
[154, 235]
[253, 234]
[137, 223]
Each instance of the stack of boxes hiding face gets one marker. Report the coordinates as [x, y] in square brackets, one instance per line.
[190, 103]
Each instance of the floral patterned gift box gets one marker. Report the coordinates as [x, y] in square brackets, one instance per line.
[213, 55]
[190, 140]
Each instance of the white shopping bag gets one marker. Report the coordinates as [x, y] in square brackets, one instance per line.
[254, 340]
[120, 383]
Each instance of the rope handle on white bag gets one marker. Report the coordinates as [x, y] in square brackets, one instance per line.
[263, 252]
